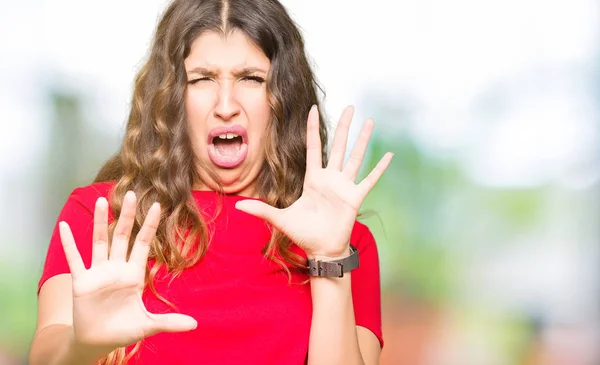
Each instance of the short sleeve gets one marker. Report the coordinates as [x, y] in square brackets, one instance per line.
[78, 212]
[366, 283]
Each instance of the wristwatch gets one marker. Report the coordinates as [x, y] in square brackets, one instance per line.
[334, 268]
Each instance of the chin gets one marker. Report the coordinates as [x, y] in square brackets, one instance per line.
[231, 181]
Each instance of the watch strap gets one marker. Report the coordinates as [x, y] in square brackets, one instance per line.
[334, 268]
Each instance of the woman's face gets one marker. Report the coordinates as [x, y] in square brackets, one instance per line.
[227, 109]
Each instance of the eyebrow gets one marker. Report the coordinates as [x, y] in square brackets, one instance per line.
[212, 73]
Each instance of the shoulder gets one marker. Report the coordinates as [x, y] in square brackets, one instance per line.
[87, 195]
[361, 237]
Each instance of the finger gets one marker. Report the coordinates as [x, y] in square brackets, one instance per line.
[100, 235]
[260, 210]
[369, 182]
[358, 152]
[141, 247]
[338, 148]
[313, 141]
[171, 322]
[71, 252]
[120, 242]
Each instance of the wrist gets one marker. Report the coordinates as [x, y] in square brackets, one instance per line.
[329, 255]
[81, 353]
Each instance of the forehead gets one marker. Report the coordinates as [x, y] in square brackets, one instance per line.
[236, 50]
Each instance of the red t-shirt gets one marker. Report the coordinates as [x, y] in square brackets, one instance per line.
[246, 311]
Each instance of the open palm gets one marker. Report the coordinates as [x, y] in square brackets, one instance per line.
[108, 311]
[321, 220]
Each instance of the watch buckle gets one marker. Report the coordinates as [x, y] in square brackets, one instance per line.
[321, 268]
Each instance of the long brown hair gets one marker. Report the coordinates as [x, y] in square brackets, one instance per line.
[156, 159]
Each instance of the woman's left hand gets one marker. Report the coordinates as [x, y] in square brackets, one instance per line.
[321, 220]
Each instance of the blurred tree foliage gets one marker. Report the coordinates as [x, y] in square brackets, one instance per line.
[76, 151]
[431, 215]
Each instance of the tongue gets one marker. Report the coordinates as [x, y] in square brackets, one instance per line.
[229, 147]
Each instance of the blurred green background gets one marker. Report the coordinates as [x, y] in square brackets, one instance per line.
[486, 221]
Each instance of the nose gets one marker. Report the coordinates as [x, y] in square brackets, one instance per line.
[227, 106]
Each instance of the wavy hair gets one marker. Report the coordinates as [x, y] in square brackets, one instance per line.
[156, 159]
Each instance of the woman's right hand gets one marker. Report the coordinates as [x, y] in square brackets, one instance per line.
[108, 311]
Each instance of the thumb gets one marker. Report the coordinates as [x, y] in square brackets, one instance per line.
[172, 322]
[259, 209]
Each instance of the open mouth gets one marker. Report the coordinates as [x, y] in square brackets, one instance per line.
[227, 146]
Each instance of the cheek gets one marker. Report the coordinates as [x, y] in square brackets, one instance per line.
[258, 110]
[197, 109]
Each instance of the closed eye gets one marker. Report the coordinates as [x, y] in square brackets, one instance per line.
[256, 79]
[192, 82]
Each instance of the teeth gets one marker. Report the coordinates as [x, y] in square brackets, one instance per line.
[228, 136]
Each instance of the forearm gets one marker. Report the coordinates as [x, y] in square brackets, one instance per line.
[333, 337]
[54, 345]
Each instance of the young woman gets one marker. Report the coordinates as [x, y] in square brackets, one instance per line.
[219, 233]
